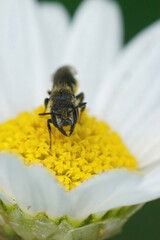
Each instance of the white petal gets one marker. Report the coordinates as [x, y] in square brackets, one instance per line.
[54, 27]
[5, 198]
[24, 71]
[114, 189]
[94, 42]
[102, 192]
[33, 189]
[129, 98]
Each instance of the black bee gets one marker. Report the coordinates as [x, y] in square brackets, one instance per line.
[63, 104]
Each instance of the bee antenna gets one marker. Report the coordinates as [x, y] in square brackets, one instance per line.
[44, 113]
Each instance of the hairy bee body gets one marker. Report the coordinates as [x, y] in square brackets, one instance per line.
[63, 104]
[64, 78]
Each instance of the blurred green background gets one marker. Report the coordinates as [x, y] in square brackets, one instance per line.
[144, 225]
[137, 13]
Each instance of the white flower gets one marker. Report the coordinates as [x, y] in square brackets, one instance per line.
[34, 41]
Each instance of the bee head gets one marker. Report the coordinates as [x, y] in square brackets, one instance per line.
[65, 117]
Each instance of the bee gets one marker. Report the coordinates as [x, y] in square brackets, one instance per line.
[63, 104]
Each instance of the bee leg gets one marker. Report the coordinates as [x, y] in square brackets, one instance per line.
[46, 100]
[49, 92]
[81, 105]
[49, 130]
[83, 108]
[80, 97]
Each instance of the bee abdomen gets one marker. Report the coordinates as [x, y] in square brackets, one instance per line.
[65, 76]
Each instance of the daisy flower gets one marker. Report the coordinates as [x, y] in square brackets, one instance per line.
[121, 89]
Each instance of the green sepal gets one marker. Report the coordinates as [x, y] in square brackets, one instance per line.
[18, 225]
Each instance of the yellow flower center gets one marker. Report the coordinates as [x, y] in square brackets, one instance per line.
[92, 148]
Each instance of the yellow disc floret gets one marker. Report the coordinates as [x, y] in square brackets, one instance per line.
[91, 149]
